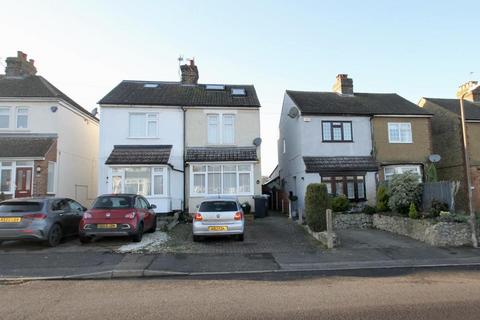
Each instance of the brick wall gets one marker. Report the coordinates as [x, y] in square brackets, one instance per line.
[41, 179]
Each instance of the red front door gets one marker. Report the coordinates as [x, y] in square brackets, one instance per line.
[24, 183]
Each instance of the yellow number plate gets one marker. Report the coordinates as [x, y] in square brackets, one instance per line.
[10, 219]
[106, 226]
[217, 228]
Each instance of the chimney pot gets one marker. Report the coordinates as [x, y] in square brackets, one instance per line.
[343, 84]
[19, 66]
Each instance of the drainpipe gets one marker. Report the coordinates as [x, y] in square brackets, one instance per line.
[184, 163]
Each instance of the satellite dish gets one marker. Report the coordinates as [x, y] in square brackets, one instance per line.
[293, 112]
[434, 158]
[257, 141]
[94, 112]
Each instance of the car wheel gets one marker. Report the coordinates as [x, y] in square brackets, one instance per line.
[154, 226]
[85, 239]
[240, 237]
[196, 238]
[137, 237]
[54, 235]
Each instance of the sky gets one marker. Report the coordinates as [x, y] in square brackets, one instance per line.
[85, 48]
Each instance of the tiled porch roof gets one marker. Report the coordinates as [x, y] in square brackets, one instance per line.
[25, 147]
[332, 164]
[201, 154]
[140, 154]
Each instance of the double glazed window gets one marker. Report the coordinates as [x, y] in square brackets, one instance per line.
[143, 125]
[390, 171]
[221, 128]
[353, 187]
[51, 177]
[145, 181]
[337, 131]
[20, 116]
[221, 179]
[399, 132]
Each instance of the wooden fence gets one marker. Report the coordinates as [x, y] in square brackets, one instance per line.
[443, 191]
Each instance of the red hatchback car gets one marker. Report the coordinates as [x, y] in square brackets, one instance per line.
[118, 215]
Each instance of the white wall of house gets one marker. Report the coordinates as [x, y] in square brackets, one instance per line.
[114, 130]
[77, 144]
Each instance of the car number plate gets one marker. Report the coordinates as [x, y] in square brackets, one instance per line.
[106, 226]
[10, 219]
[217, 228]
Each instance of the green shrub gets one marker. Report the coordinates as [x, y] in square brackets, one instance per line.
[247, 208]
[403, 190]
[382, 199]
[431, 173]
[369, 210]
[437, 207]
[340, 204]
[317, 201]
[2, 196]
[412, 211]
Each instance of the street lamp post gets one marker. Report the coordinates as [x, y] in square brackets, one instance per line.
[473, 220]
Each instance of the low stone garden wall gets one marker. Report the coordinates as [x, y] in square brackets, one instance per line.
[432, 232]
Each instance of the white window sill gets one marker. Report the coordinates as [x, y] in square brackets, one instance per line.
[400, 142]
[156, 137]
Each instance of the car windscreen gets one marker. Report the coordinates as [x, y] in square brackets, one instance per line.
[21, 206]
[113, 202]
[216, 206]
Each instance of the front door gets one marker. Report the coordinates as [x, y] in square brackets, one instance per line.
[23, 183]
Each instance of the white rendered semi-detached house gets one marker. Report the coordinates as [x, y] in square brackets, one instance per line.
[148, 126]
[349, 141]
[48, 143]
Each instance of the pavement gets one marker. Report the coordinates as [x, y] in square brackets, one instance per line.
[422, 295]
[272, 245]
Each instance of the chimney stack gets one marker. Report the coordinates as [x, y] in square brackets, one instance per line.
[19, 66]
[189, 73]
[471, 89]
[343, 85]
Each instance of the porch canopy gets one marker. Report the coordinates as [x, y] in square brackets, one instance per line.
[25, 147]
[209, 154]
[339, 164]
[139, 154]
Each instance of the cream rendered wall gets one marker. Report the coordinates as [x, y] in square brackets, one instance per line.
[247, 128]
[77, 144]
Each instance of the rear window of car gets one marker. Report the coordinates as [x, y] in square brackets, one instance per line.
[113, 202]
[215, 206]
[18, 206]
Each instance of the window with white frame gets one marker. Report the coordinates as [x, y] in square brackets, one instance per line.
[399, 132]
[22, 118]
[4, 117]
[145, 181]
[221, 128]
[390, 171]
[221, 179]
[143, 125]
[284, 146]
[51, 177]
[6, 176]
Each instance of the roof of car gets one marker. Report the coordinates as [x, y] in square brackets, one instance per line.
[220, 198]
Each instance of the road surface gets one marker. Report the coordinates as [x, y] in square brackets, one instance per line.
[434, 295]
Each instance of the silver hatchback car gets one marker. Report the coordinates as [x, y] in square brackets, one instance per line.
[219, 217]
[44, 219]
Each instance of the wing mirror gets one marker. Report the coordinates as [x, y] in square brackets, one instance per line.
[152, 206]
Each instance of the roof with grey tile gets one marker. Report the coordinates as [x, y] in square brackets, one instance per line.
[201, 154]
[25, 146]
[177, 94]
[472, 110]
[35, 87]
[368, 104]
[139, 154]
[333, 164]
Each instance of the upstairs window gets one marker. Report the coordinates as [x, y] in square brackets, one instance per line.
[4, 118]
[337, 131]
[22, 118]
[399, 132]
[143, 125]
[221, 128]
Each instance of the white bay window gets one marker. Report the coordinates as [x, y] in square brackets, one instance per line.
[145, 181]
[390, 171]
[231, 179]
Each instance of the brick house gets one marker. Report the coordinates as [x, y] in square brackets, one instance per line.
[48, 142]
[448, 141]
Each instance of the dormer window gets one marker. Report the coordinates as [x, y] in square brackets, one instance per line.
[238, 92]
